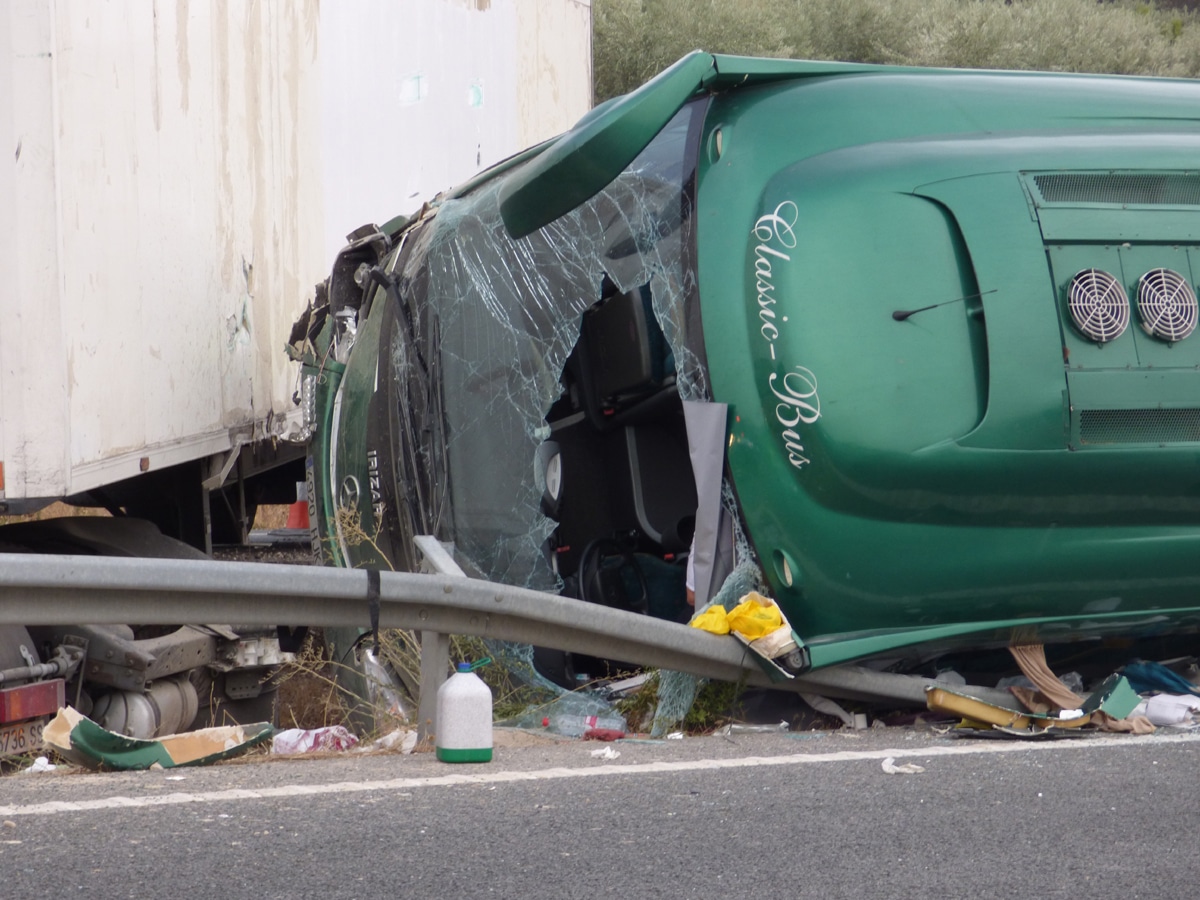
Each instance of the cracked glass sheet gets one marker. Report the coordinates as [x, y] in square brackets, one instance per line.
[508, 314]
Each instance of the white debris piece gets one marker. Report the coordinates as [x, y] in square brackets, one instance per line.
[1170, 709]
[41, 764]
[890, 767]
[402, 739]
[605, 753]
[299, 740]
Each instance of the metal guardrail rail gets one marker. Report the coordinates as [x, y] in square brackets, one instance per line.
[62, 590]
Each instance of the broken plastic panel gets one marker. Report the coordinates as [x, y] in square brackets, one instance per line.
[79, 739]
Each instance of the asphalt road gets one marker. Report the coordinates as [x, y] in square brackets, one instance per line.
[806, 815]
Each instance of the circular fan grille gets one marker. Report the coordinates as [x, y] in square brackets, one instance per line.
[1099, 305]
[1167, 305]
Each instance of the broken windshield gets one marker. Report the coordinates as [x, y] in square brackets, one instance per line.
[488, 323]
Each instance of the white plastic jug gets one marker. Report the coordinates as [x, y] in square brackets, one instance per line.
[464, 718]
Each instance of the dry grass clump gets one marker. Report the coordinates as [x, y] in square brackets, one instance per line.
[316, 690]
[272, 516]
[715, 704]
[309, 694]
[634, 39]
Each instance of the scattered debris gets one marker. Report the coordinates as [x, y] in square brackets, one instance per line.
[312, 740]
[77, 738]
[675, 736]
[830, 708]
[1044, 734]
[402, 739]
[384, 689]
[603, 734]
[734, 728]
[1171, 710]
[41, 764]
[1107, 708]
[1049, 705]
[758, 623]
[582, 726]
[983, 715]
[1073, 681]
[1031, 658]
[624, 687]
[1152, 676]
[605, 753]
[890, 767]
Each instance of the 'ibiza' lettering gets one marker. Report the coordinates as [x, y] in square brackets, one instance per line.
[375, 482]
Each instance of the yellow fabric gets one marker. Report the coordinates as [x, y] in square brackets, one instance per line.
[755, 616]
[713, 619]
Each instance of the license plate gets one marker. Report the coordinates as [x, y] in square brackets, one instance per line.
[21, 737]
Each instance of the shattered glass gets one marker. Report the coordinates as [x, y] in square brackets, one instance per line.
[486, 326]
[501, 317]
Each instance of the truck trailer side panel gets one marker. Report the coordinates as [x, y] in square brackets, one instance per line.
[181, 177]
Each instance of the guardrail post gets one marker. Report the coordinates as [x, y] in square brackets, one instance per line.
[435, 660]
[435, 646]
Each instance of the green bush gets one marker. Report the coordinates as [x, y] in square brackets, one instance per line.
[634, 39]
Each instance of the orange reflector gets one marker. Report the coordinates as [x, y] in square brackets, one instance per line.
[1, 476]
[42, 698]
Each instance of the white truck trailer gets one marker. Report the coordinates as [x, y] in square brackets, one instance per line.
[174, 179]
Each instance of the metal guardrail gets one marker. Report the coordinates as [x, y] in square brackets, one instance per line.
[63, 590]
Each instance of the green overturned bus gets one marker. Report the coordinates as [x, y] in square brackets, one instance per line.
[911, 350]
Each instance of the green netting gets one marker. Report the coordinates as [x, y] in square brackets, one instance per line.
[563, 709]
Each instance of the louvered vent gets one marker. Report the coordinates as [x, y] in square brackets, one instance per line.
[1139, 426]
[1166, 305]
[1099, 305]
[1129, 189]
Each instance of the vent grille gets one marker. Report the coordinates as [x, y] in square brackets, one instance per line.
[1138, 426]
[1099, 305]
[1138, 190]
[1166, 304]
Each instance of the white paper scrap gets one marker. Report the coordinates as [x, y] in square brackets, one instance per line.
[890, 767]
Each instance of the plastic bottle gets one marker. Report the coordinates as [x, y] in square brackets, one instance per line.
[577, 726]
[464, 717]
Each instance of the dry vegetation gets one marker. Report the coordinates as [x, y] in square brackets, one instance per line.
[634, 39]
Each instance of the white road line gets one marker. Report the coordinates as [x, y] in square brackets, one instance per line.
[477, 776]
